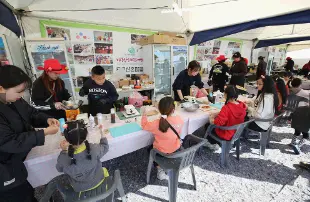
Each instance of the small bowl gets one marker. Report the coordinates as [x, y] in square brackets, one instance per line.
[190, 107]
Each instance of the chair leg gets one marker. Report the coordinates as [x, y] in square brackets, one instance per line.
[263, 143]
[238, 149]
[173, 185]
[268, 139]
[121, 191]
[149, 168]
[225, 153]
[193, 175]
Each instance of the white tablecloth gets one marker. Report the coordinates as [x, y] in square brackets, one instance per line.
[41, 161]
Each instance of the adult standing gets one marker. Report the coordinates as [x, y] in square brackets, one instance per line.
[17, 134]
[238, 70]
[289, 65]
[305, 69]
[261, 67]
[49, 89]
[218, 74]
[186, 79]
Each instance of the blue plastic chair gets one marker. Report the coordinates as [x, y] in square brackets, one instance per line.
[226, 145]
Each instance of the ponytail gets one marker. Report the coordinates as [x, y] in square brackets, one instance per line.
[163, 125]
[71, 153]
[88, 150]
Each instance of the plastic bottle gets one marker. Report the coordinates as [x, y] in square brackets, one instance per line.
[112, 115]
[100, 119]
[91, 122]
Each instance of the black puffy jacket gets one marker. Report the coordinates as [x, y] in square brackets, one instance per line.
[17, 138]
[301, 119]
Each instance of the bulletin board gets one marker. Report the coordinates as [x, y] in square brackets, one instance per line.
[87, 45]
[208, 51]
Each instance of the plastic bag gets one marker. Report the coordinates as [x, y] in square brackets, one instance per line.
[135, 99]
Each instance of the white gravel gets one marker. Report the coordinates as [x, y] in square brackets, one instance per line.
[254, 178]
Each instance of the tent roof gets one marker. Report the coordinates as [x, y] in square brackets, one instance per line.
[201, 14]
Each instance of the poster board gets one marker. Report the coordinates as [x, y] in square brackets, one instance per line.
[87, 45]
[208, 51]
[41, 49]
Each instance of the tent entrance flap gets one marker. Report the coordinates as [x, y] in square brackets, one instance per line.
[8, 20]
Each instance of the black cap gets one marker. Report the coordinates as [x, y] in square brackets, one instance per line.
[236, 55]
[261, 57]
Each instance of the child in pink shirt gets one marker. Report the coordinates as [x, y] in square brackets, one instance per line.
[166, 140]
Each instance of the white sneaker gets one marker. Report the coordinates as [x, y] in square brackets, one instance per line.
[213, 147]
[161, 175]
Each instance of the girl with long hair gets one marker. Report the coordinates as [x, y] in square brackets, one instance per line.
[166, 140]
[265, 104]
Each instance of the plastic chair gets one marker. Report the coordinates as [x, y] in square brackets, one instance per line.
[293, 102]
[226, 145]
[173, 163]
[264, 136]
[103, 193]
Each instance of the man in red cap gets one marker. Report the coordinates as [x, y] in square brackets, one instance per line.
[218, 74]
[289, 65]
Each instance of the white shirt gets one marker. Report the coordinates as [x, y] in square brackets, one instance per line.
[264, 110]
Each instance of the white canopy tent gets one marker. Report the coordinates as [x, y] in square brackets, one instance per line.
[197, 15]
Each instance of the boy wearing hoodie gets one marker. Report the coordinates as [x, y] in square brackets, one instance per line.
[101, 92]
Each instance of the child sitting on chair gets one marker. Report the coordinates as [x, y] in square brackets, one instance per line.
[232, 113]
[166, 140]
[80, 160]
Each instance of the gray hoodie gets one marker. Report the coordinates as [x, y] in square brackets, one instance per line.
[85, 174]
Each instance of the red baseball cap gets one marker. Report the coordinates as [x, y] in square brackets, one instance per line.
[221, 58]
[53, 65]
[288, 58]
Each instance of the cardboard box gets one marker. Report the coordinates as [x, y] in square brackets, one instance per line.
[122, 83]
[178, 41]
[171, 34]
[155, 39]
[144, 76]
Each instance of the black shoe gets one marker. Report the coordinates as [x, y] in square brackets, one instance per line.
[305, 165]
[296, 149]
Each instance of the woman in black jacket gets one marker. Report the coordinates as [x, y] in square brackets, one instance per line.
[238, 70]
[50, 90]
[17, 135]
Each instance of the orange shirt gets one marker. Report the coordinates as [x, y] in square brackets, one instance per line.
[167, 142]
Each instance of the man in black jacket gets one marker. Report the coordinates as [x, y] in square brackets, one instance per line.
[289, 66]
[261, 67]
[238, 70]
[218, 74]
[17, 135]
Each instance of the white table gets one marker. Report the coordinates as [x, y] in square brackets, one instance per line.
[41, 161]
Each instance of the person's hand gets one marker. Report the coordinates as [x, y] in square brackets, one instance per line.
[51, 130]
[64, 144]
[59, 106]
[52, 122]
[211, 119]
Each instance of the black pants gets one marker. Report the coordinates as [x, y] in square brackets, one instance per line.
[305, 135]
[149, 151]
[21, 193]
[218, 86]
[202, 131]
[255, 127]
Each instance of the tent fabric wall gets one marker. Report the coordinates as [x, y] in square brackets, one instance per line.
[8, 20]
[293, 18]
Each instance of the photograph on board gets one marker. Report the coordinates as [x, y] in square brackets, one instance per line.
[104, 37]
[58, 32]
[102, 48]
[104, 59]
[135, 38]
[83, 48]
[78, 59]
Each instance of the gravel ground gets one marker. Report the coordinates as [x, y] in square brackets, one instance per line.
[271, 178]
